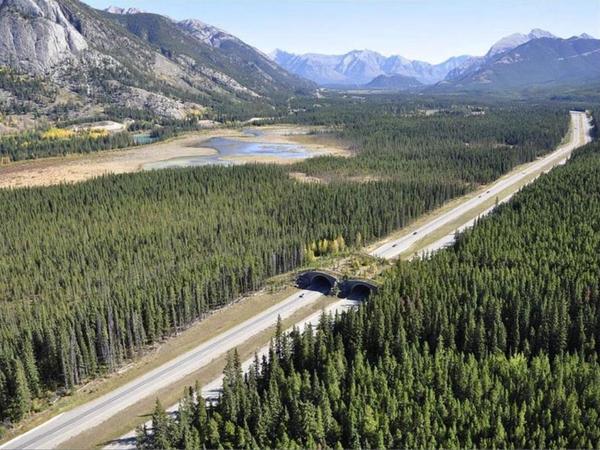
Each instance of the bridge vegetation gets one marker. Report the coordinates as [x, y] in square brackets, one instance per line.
[93, 273]
[492, 343]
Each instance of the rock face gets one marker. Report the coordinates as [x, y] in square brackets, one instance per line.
[36, 35]
[118, 10]
[205, 33]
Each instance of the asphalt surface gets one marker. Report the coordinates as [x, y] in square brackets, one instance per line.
[212, 390]
[579, 136]
[72, 423]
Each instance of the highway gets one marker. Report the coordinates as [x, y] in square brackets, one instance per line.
[70, 424]
[579, 136]
[212, 390]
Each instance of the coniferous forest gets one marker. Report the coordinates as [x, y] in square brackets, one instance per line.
[93, 273]
[491, 343]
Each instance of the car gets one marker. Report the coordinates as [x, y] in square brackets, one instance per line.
[415, 233]
[395, 245]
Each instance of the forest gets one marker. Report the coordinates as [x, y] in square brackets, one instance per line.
[475, 143]
[492, 343]
[84, 288]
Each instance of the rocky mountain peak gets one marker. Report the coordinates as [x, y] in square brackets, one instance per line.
[538, 33]
[208, 34]
[516, 39]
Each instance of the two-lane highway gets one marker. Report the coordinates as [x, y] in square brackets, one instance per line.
[579, 135]
[212, 390]
[67, 425]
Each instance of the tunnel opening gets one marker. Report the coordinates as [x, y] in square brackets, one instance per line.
[360, 292]
[321, 283]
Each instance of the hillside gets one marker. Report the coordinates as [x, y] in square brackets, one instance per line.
[214, 53]
[394, 82]
[132, 60]
[541, 62]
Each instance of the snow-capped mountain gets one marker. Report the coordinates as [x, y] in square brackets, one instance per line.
[362, 66]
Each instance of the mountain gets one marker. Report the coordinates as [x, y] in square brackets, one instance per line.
[212, 52]
[393, 82]
[516, 39]
[359, 67]
[473, 64]
[539, 62]
[132, 59]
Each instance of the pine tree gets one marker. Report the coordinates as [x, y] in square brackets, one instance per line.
[20, 394]
[161, 429]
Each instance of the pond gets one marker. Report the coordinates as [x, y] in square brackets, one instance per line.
[143, 139]
[240, 151]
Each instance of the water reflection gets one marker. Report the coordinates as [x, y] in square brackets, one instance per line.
[235, 148]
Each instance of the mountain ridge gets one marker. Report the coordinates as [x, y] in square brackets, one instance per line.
[360, 67]
[133, 59]
[540, 62]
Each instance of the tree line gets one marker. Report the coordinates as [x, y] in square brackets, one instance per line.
[33, 144]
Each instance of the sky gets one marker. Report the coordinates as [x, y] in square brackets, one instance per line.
[428, 30]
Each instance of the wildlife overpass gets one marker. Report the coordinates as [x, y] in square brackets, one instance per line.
[327, 281]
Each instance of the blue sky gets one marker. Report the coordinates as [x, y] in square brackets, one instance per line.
[430, 30]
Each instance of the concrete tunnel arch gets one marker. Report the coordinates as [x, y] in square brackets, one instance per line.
[355, 288]
[317, 279]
